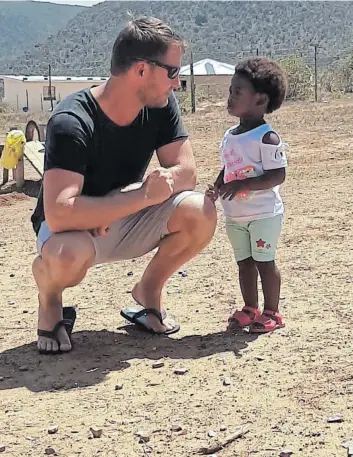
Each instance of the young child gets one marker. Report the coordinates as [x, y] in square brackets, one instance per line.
[253, 167]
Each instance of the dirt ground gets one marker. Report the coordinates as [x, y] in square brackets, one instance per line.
[284, 386]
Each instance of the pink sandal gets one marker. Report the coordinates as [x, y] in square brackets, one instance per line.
[267, 322]
[244, 318]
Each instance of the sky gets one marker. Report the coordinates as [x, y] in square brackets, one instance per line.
[68, 2]
[73, 2]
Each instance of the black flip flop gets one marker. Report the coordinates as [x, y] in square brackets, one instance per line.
[68, 321]
[135, 318]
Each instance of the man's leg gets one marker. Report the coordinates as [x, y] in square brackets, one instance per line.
[64, 260]
[191, 227]
[66, 257]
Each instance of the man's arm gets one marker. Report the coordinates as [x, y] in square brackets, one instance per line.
[65, 163]
[173, 147]
[65, 209]
[178, 158]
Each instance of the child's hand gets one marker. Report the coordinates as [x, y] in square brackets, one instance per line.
[230, 189]
[212, 192]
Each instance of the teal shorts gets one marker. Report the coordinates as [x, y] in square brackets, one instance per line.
[257, 239]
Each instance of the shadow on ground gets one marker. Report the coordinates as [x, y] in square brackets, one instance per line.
[103, 352]
[30, 189]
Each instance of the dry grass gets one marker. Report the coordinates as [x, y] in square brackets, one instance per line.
[285, 384]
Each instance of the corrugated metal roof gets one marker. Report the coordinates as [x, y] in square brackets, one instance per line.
[208, 67]
[205, 67]
[55, 79]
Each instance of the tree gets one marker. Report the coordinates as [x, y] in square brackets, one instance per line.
[200, 19]
[343, 74]
[299, 77]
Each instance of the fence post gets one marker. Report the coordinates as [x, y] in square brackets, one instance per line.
[19, 173]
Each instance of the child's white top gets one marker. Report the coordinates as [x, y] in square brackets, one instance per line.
[246, 156]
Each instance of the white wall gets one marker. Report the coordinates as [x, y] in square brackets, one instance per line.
[15, 92]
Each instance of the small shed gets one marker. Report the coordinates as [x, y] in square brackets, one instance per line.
[37, 93]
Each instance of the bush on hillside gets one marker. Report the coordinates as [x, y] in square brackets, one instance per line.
[299, 77]
[339, 77]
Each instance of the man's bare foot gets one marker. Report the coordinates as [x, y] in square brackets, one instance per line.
[151, 299]
[48, 317]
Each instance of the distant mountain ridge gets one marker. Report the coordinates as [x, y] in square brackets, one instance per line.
[221, 30]
[24, 23]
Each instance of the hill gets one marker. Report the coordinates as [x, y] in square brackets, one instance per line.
[24, 23]
[221, 30]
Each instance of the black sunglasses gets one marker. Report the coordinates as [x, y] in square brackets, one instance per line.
[173, 72]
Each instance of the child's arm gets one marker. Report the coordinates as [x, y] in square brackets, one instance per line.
[220, 179]
[274, 163]
[269, 179]
[212, 191]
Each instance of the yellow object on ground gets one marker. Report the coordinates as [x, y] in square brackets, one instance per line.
[13, 149]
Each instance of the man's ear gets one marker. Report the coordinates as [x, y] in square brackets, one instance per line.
[140, 69]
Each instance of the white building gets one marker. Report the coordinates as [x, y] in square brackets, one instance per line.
[208, 72]
[208, 67]
[31, 93]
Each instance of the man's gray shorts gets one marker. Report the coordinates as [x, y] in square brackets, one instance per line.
[130, 237]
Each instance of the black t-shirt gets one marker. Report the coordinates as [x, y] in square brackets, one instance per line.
[81, 138]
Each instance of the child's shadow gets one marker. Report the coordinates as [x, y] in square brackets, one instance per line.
[96, 353]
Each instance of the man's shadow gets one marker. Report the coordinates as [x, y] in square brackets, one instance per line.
[96, 353]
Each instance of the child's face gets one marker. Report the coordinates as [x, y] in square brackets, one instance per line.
[242, 100]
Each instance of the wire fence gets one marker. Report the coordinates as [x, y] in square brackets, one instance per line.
[311, 72]
[318, 61]
[100, 68]
[324, 55]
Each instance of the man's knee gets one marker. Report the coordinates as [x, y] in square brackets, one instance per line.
[67, 253]
[196, 213]
[201, 211]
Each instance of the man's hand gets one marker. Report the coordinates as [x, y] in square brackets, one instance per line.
[103, 230]
[212, 192]
[229, 190]
[178, 159]
[158, 186]
[100, 231]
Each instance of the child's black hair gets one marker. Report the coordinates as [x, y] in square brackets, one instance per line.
[267, 77]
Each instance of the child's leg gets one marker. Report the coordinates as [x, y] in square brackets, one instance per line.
[264, 238]
[239, 238]
[271, 284]
[248, 282]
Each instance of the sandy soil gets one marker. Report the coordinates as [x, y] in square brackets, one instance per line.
[285, 385]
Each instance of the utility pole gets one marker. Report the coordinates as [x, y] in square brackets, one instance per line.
[315, 69]
[50, 94]
[192, 84]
